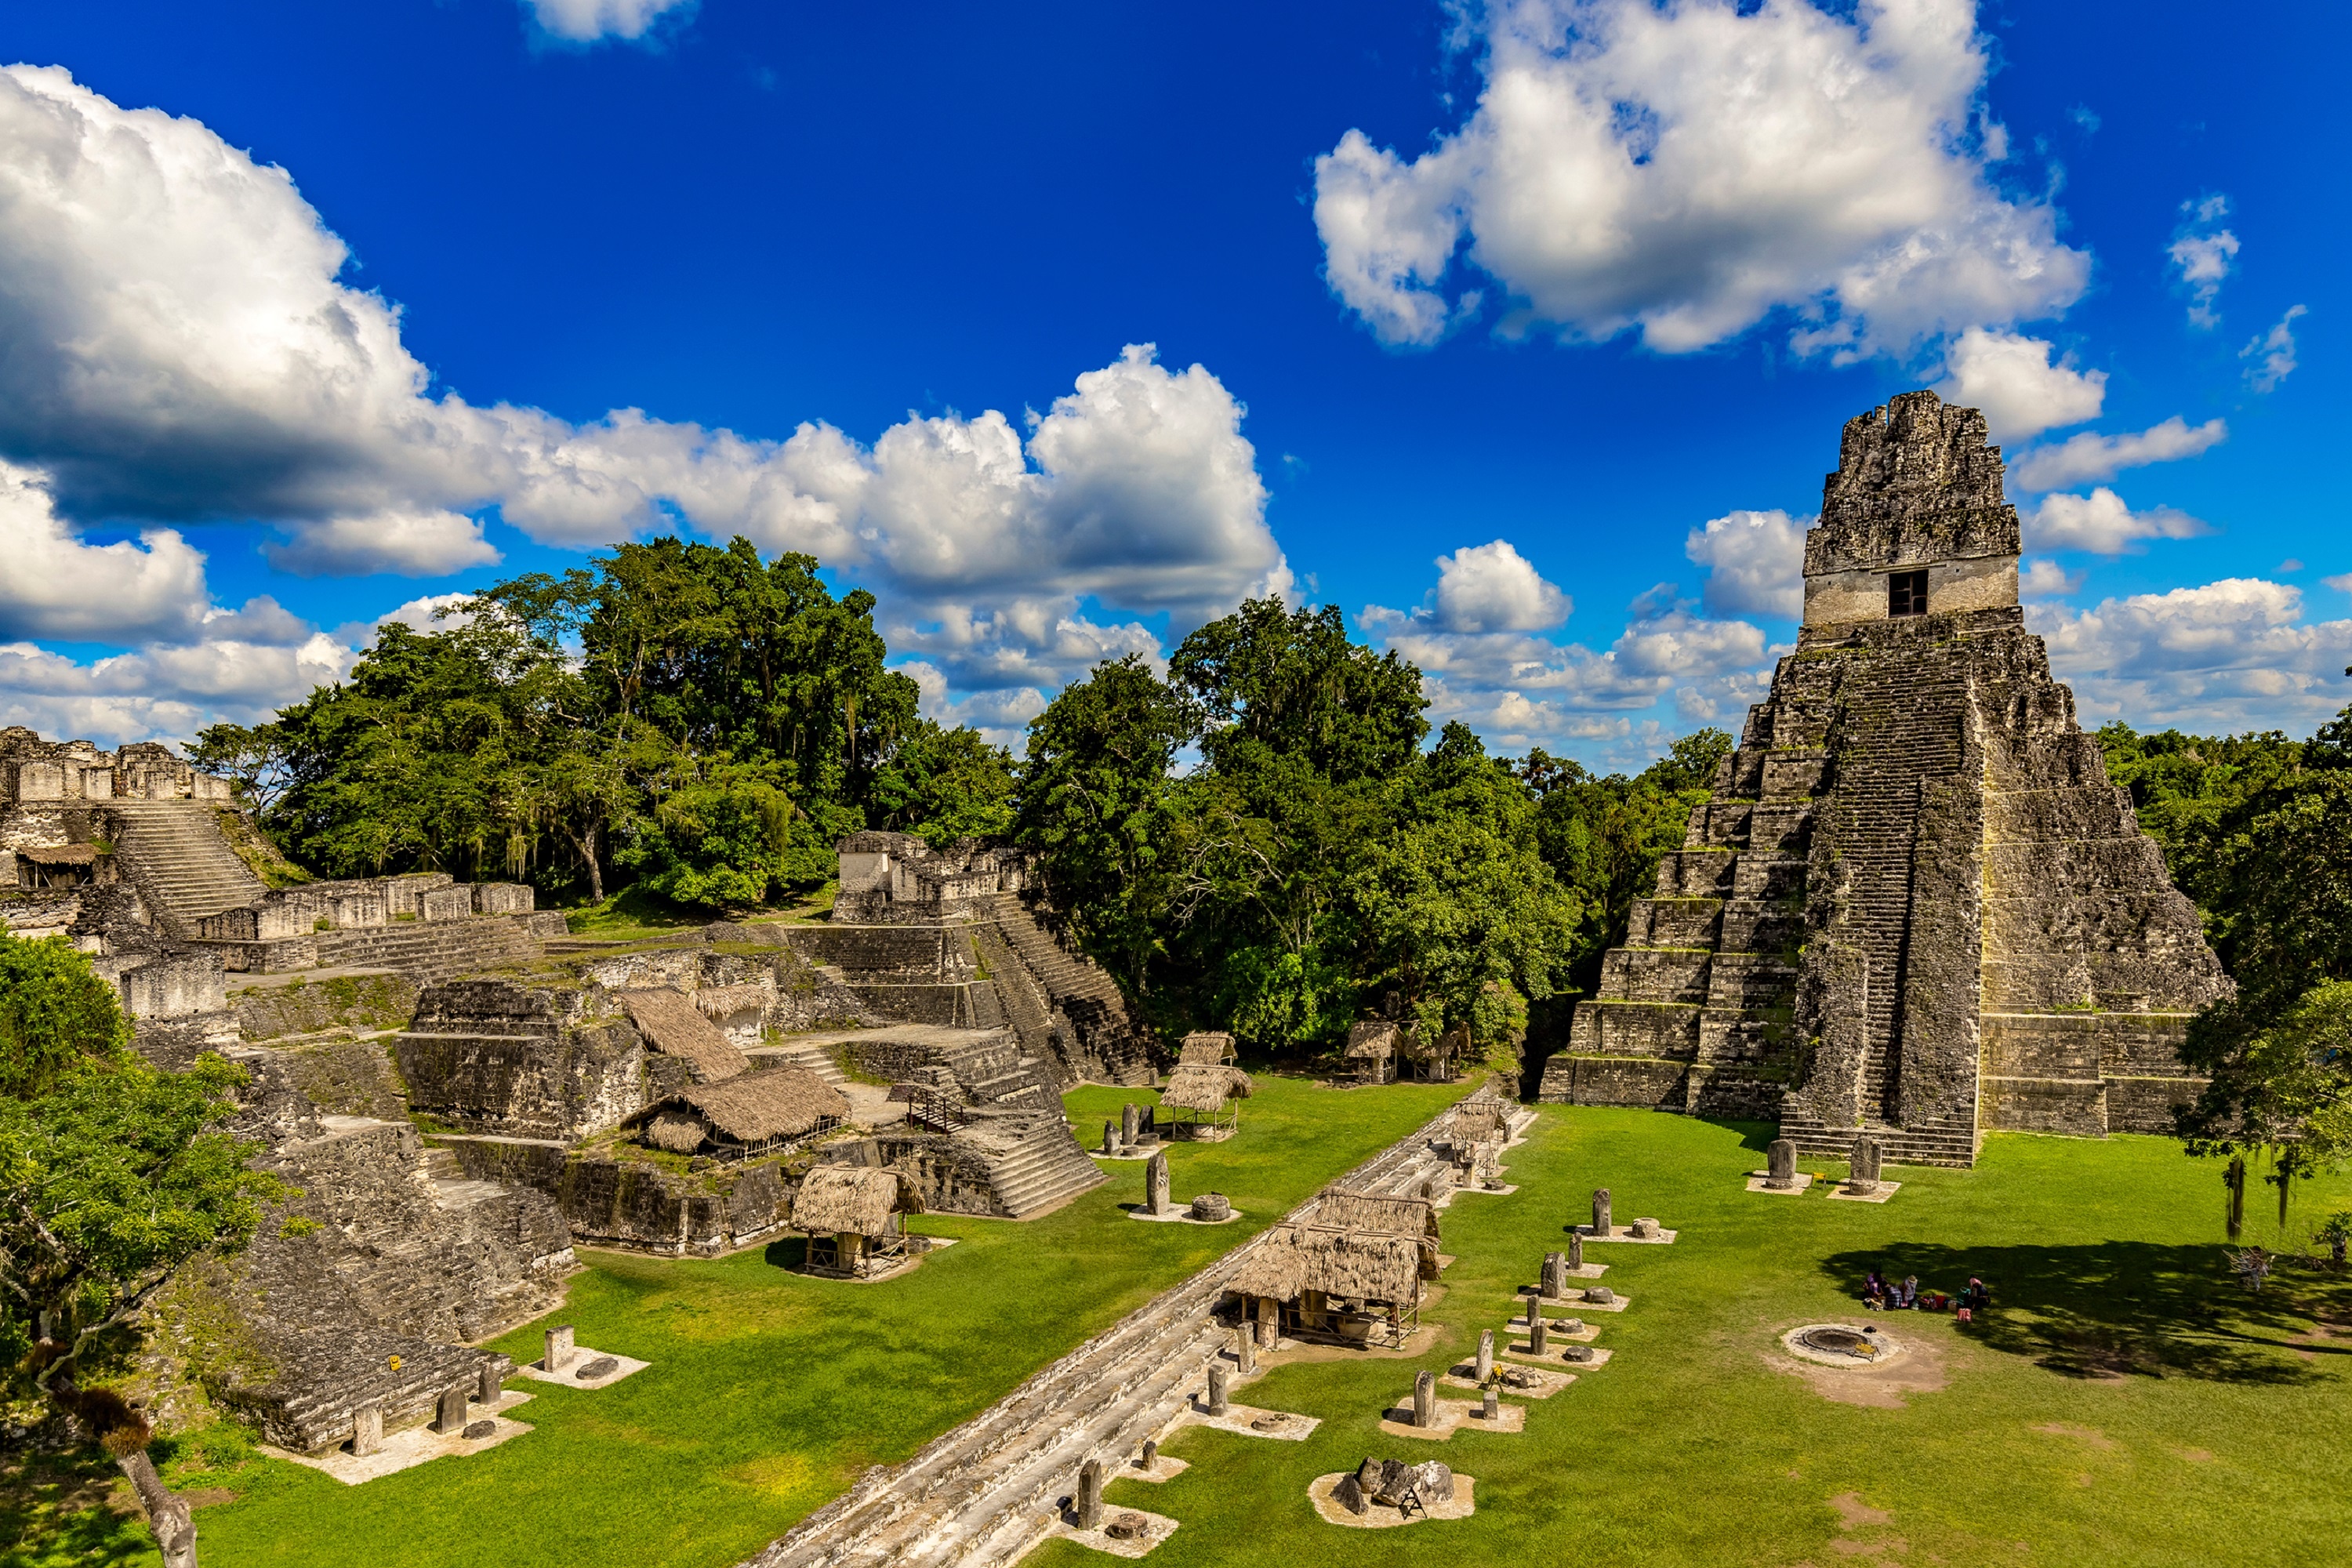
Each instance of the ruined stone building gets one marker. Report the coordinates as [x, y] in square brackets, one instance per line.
[1914, 902]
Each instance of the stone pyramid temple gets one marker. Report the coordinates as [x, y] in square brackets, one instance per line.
[1914, 904]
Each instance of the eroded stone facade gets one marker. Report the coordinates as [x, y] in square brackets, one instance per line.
[1915, 901]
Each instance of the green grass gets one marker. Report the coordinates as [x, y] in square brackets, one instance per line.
[770, 1393]
[2124, 1403]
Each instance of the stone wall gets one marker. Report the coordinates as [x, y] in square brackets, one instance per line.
[635, 1204]
[496, 1057]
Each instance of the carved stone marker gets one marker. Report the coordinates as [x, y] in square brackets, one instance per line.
[1211, 1208]
[367, 1430]
[1151, 1453]
[1155, 1185]
[1349, 1494]
[1575, 1253]
[1486, 1354]
[1128, 1526]
[1425, 1399]
[1645, 1229]
[559, 1348]
[451, 1416]
[1432, 1482]
[1601, 1295]
[1492, 1409]
[1270, 1323]
[1867, 1155]
[476, 1430]
[486, 1381]
[1245, 1351]
[1539, 1332]
[1217, 1390]
[1089, 1509]
[1131, 1123]
[1780, 1165]
[1576, 1353]
[1601, 1212]
[1111, 1137]
[603, 1366]
[1555, 1275]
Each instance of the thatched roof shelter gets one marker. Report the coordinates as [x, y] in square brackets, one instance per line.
[1384, 1214]
[1207, 1048]
[1293, 1259]
[1421, 1048]
[749, 1111]
[674, 1026]
[1476, 1119]
[1373, 1040]
[852, 1200]
[1205, 1089]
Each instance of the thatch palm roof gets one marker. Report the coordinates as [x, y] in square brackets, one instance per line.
[1383, 1215]
[669, 1019]
[1205, 1089]
[1476, 1119]
[717, 1002]
[1455, 1042]
[1294, 1258]
[1207, 1048]
[1373, 1040]
[852, 1200]
[760, 1106]
[679, 1135]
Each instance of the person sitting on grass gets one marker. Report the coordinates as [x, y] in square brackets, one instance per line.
[1909, 1300]
[1874, 1293]
[1976, 1298]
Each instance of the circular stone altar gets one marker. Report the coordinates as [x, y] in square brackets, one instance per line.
[1843, 1344]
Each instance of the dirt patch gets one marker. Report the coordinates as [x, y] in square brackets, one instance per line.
[1853, 1513]
[2090, 1437]
[2196, 1455]
[1923, 1370]
[208, 1496]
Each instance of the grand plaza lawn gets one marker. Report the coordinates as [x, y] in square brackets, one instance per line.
[2125, 1402]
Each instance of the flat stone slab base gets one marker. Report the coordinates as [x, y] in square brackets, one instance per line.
[407, 1450]
[1518, 1351]
[1574, 1304]
[1454, 1416]
[1625, 1233]
[1162, 1468]
[580, 1356]
[1461, 1505]
[1541, 1384]
[1178, 1213]
[1584, 1336]
[1288, 1426]
[1759, 1181]
[1885, 1191]
[1140, 1152]
[1157, 1528]
[1502, 1192]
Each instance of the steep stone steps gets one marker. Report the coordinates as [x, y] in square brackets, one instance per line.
[1043, 1169]
[176, 856]
[434, 950]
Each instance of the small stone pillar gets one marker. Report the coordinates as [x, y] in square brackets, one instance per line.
[487, 1379]
[1090, 1481]
[367, 1431]
[1575, 1254]
[1269, 1322]
[1150, 1452]
[1486, 1354]
[1217, 1389]
[1538, 1331]
[1492, 1409]
[1425, 1399]
[1130, 1125]
[1600, 1213]
[560, 1349]
[1555, 1275]
[1155, 1185]
[1245, 1351]
[451, 1416]
[1111, 1137]
[1867, 1155]
[1780, 1165]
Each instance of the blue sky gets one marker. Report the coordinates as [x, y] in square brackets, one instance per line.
[1523, 334]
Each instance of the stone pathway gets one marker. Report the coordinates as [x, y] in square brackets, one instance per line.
[987, 1492]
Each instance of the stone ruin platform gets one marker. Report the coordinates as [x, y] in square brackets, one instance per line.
[1176, 1213]
[581, 1355]
[1624, 1233]
[1616, 1303]
[1453, 1415]
[1517, 1349]
[1163, 1467]
[1461, 1505]
[1884, 1191]
[1553, 1330]
[1541, 1384]
[407, 1449]
[1758, 1182]
[1156, 1528]
[1291, 1427]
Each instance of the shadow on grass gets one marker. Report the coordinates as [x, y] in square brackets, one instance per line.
[1756, 1135]
[791, 1252]
[55, 1509]
[2121, 1309]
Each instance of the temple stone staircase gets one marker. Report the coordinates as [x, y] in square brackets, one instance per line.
[182, 864]
[1082, 991]
[1034, 1162]
[1939, 1144]
[433, 950]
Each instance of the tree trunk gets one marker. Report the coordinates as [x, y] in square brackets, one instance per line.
[167, 1515]
[587, 844]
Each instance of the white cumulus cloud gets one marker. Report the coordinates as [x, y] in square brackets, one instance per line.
[2270, 358]
[1754, 561]
[586, 21]
[1681, 170]
[2089, 458]
[2230, 656]
[54, 586]
[1491, 588]
[2203, 255]
[2101, 524]
[2043, 578]
[2010, 378]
